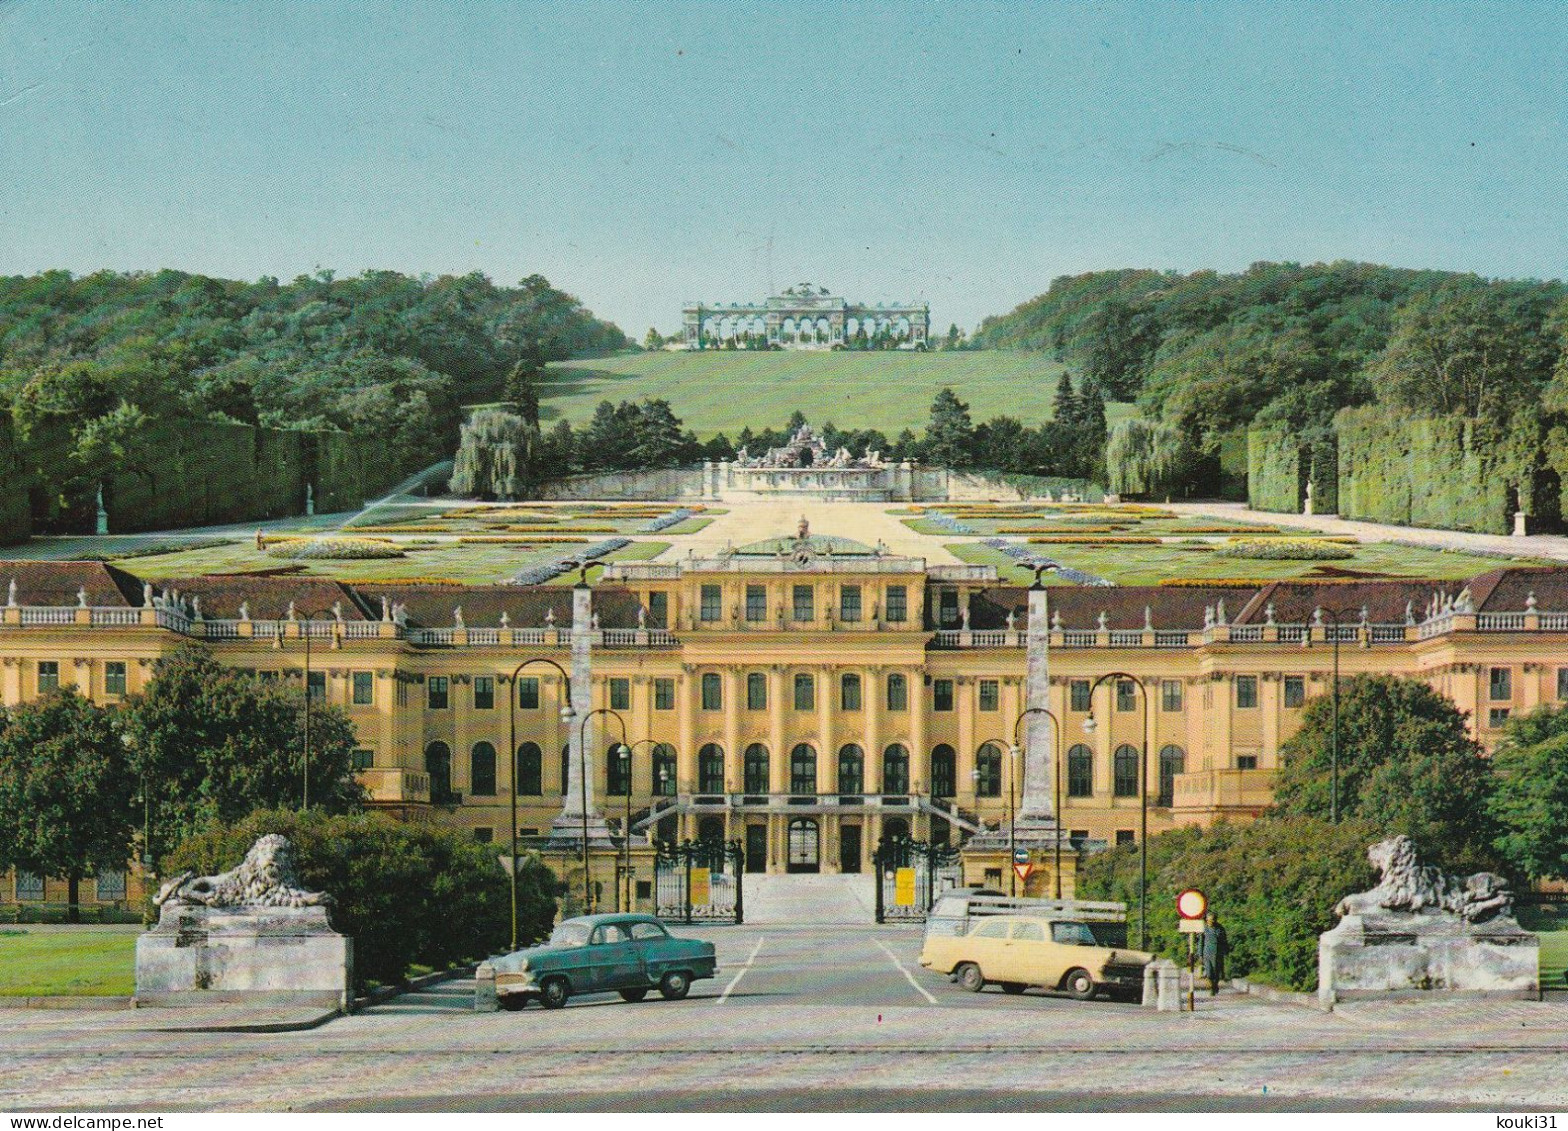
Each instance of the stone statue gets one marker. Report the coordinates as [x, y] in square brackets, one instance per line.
[963, 615]
[1422, 929]
[386, 609]
[457, 615]
[642, 618]
[265, 878]
[1307, 507]
[803, 531]
[81, 597]
[593, 622]
[1012, 617]
[244, 610]
[195, 607]
[146, 594]
[549, 617]
[292, 613]
[337, 611]
[310, 499]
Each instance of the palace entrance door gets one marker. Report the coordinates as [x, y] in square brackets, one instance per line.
[804, 844]
[849, 848]
[756, 848]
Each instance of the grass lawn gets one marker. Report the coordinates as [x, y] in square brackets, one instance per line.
[721, 391]
[689, 526]
[68, 964]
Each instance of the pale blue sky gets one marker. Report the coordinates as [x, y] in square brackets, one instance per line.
[640, 155]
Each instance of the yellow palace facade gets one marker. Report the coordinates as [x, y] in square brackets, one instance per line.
[803, 697]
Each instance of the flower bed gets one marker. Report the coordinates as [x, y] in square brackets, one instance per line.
[1284, 550]
[1092, 540]
[334, 549]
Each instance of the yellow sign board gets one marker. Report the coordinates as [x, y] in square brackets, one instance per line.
[904, 887]
[701, 887]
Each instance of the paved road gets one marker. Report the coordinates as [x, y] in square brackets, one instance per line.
[805, 1019]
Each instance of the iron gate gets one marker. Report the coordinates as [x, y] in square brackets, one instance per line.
[700, 881]
[910, 875]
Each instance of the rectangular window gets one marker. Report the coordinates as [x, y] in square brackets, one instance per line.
[114, 677]
[364, 689]
[947, 609]
[484, 692]
[363, 759]
[756, 691]
[849, 604]
[1126, 836]
[756, 604]
[318, 685]
[48, 676]
[29, 885]
[805, 603]
[942, 695]
[528, 692]
[1295, 690]
[1246, 691]
[849, 693]
[1170, 695]
[712, 692]
[897, 693]
[620, 694]
[1246, 761]
[658, 609]
[1078, 693]
[712, 606]
[435, 693]
[805, 692]
[664, 695]
[1501, 684]
[1496, 716]
[990, 695]
[897, 604]
[1126, 695]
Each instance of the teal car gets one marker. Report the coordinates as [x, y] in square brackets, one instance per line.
[625, 954]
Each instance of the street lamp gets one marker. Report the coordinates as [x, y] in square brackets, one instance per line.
[582, 773]
[336, 614]
[1334, 615]
[626, 828]
[567, 715]
[1056, 731]
[1143, 796]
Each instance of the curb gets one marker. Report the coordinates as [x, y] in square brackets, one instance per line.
[314, 1022]
[60, 1001]
[1280, 997]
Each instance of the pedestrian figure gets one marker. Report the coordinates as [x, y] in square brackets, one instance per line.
[261, 539]
[1212, 951]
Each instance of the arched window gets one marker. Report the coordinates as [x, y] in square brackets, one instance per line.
[530, 769]
[1080, 771]
[481, 770]
[988, 767]
[851, 769]
[849, 692]
[438, 764]
[1124, 772]
[803, 770]
[710, 769]
[664, 770]
[1173, 761]
[895, 769]
[617, 771]
[756, 768]
[944, 771]
[805, 692]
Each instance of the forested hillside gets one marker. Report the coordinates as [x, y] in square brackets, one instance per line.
[93, 367]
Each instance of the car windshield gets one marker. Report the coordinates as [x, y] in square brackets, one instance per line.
[570, 934]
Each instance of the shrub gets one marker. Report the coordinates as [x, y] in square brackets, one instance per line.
[334, 549]
[407, 893]
[1284, 549]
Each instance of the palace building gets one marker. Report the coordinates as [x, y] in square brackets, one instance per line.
[805, 317]
[804, 696]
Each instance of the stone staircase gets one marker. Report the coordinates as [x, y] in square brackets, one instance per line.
[792, 900]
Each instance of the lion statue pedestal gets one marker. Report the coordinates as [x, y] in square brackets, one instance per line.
[249, 935]
[1422, 930]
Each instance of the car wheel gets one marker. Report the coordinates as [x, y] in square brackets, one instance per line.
[674, 985]
[1080, 984]
[553, 994]
[1014, 987]
[970, 978]
[634, 995]
[512, 1002]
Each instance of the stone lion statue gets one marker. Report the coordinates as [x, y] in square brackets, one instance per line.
[1407, 885]
[265, 878]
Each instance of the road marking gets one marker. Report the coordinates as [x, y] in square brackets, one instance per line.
[905, 972]
[741, 973]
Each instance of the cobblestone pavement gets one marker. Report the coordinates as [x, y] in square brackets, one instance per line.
[844, 1015]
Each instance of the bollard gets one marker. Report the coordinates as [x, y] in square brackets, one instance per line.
[1170, 986]
[1151, 985]
[485, 1000]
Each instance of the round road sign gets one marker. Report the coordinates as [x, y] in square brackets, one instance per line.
[1191, 904]
[1020, 856]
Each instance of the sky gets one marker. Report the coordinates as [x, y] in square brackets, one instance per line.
[642, 155]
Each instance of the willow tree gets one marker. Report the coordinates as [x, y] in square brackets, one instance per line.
[1147, 457]
[494, 456]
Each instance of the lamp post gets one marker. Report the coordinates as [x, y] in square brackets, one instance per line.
[1056, 731]
[1143, 796]
[1335, 615]
[582, 773]
[626, 828]
[304, 628]
[567, 715]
